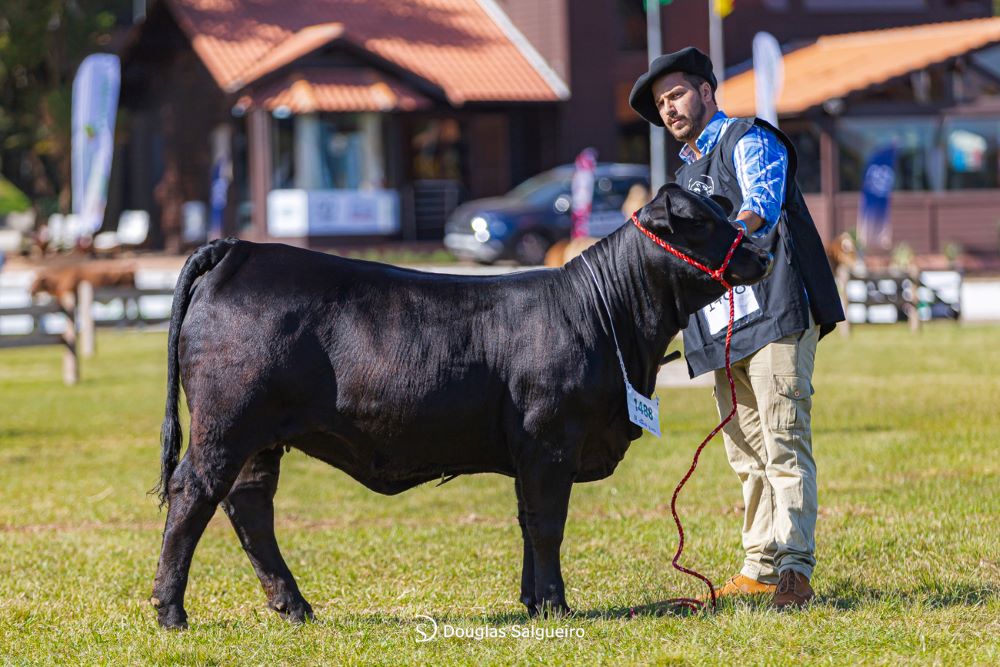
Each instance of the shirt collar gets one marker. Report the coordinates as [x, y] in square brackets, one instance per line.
[707, 139]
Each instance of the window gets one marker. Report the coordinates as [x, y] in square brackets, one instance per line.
[988, 59]
[328, 151]
[342, 157]
[239, 189]
[436, 145]
[971, 153]
[919, 163]
[283, 147]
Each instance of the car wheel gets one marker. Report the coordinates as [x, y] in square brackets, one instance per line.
[531, 248]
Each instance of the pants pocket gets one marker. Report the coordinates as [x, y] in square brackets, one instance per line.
[791, 402]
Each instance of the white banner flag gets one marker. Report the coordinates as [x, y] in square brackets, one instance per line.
[769, 75]
[95, 105]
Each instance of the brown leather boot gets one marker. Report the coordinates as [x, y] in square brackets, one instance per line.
[793, 590]
[740, 585]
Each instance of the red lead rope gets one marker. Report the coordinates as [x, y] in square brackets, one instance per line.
[693, 603]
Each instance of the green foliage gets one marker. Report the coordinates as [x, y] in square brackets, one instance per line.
[41, 44]
[11, 199]
[902, 256]
[908, 551]
[952, 250]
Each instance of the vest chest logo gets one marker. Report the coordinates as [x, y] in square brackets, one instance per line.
[702, 185]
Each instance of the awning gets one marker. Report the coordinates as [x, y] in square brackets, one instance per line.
[334, 90]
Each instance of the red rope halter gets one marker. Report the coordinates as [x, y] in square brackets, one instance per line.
[693, 603]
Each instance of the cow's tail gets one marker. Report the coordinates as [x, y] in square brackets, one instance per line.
[203, 260]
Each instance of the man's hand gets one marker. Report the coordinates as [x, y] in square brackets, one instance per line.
[749, 221]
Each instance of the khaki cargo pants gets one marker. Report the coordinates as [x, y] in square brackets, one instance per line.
[769, 445]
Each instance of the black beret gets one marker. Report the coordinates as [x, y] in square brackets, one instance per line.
[689, 60]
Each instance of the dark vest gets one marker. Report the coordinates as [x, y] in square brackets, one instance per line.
[801, 280]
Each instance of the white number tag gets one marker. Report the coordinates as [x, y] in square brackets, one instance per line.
[643, 411]
[717, 312]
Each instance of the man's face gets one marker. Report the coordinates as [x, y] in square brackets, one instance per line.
[682, 106]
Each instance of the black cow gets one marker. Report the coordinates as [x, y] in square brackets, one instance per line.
[399, 377]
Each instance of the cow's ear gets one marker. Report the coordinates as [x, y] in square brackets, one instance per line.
[655, 216]
[724, 204]
[686, 205]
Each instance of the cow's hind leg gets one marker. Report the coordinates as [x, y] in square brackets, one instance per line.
[528, 563]
[250, 508]
[194, 491]
[545, 487]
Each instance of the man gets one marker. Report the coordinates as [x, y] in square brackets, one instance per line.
[778, 322]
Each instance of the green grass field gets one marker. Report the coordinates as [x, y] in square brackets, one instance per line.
[906, 433]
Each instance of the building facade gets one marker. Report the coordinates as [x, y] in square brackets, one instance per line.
[461, 99]
[399, 111]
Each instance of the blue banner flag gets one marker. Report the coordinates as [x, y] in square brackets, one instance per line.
[874, 229]
[222, 176]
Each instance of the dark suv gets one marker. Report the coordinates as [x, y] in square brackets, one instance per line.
[523, 224]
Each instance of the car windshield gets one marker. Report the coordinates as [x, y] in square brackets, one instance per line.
[543, 188]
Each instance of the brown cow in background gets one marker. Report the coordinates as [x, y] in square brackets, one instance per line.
[60, 281]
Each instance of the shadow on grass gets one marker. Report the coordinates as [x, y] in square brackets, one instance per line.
[845, 596]
[650, 609]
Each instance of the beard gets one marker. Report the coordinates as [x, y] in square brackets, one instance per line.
[692, 128]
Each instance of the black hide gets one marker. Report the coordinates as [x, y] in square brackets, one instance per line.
[398, 377]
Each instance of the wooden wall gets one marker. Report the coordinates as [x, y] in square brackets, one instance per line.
[927, 221]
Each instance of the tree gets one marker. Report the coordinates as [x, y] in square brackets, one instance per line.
[41, 44]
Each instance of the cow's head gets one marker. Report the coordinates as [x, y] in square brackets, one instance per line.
[698, 227]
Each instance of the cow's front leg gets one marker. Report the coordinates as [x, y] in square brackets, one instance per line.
[528, 564]
[545, 486]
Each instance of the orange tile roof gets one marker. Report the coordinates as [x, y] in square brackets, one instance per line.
[335, 90]
[837, 65]
[455, 44]
[301, 43]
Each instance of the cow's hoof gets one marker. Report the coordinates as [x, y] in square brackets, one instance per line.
[531, 605]
[552, 610]
[296, 611]
[172, 617]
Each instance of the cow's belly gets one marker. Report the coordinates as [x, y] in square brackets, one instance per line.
[395, 465]
[393, 432]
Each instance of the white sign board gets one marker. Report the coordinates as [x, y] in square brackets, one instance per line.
[717, 312]
[299, 213]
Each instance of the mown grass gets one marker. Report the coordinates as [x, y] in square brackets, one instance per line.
[418, 256]
[908, 542]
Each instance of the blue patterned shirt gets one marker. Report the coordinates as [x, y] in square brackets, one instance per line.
[761, 162]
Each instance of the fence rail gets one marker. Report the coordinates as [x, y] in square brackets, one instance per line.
[78, 333]
[39, 336]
